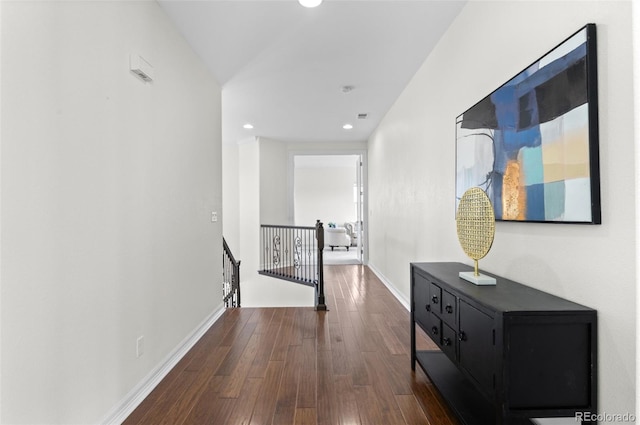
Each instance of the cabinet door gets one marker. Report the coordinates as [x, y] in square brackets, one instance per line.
[422, 306]
[476, 345]
[549, 361]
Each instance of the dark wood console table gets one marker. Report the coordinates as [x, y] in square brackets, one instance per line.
[509, 352]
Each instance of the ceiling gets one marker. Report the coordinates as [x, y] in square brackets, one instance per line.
[283, 67]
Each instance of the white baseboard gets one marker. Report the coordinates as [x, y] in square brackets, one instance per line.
[128, 404]
[391, 287]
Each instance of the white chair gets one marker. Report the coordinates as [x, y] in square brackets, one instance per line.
[336, 236]
[351, 231]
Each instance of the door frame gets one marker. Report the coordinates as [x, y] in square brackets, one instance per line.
[364, 227]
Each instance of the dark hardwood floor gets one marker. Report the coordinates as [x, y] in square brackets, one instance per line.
[350, 365]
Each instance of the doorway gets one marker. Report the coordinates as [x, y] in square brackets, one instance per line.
[331, 188]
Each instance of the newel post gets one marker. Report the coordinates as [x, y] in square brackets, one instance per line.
[237, 280]
[320, 304]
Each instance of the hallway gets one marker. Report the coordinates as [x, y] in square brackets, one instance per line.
[340, 256]
[350, 365]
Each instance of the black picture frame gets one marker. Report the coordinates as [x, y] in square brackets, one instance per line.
[533, 143]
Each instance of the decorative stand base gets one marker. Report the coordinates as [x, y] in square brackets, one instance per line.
[478, 280]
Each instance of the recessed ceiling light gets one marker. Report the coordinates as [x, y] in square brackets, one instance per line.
[247, 126]
[310, 3]
[347, 126]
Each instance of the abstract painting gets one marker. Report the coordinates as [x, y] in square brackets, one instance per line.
[532, 144]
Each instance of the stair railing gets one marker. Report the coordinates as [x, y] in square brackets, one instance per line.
[230, 278]
[294, 253]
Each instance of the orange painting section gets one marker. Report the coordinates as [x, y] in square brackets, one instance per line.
[514, 198]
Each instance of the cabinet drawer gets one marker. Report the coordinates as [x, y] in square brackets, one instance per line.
[449, 341]
[435, 330]
[449, 310]
[435, 298]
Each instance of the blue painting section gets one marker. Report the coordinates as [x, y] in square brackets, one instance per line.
[531, 158]
[535, 202]
[554, 197]
[515, 111]
[495, 193]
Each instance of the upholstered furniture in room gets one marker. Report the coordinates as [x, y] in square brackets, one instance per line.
[336, 236]
[351, 231]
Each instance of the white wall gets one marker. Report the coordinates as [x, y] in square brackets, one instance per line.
[636, 85]
[231, 196]
[249, 207]
[273, 182]
[1, 257]
[108, 185]
[264, 291]
[412, 177]
[259, 166]
[324, 193]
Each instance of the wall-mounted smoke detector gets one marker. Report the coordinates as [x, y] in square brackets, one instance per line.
[362, 116]
[141, 68]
